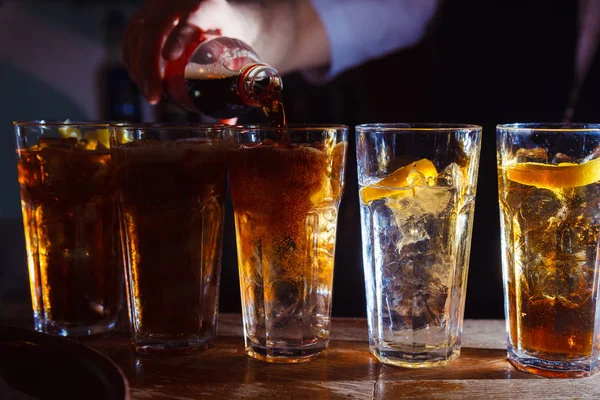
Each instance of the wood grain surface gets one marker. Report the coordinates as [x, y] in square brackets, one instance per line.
[347, 371]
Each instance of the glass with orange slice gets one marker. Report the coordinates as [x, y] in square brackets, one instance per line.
[549, 192]
[417, 193]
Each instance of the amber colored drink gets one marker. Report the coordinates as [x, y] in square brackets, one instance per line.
[286, 200]
[171, 198]
[549, 193]
[551, 240]
[70, 222]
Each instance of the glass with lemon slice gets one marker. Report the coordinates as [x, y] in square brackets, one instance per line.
[69, 215]
[417, 194]
[549, 192]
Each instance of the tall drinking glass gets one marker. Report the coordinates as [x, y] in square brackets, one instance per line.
[70, 220]
[549, 192]
[286, 187]
[171, 187]
[417, 195]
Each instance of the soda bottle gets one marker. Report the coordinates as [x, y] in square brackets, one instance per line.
[224, 78]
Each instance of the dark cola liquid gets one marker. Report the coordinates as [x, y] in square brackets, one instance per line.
[219, 98]
[171, 198]
[70, 224]
[275, 111]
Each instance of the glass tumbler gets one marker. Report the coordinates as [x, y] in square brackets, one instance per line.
[549, 192]
[171, 183]
[417, 198]
[286, 186]
[67, 188]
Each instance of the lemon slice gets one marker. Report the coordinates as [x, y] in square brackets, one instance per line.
[101, 135]
[549, 176]
[397, 182]
[66, 132]
[124, 136]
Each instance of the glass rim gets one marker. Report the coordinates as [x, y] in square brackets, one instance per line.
[40, 123]
[412, 127]
[294, 127]
[528, 127]
[117, 124]
[170, 126]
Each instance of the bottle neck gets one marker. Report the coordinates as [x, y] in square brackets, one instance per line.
[259, 84]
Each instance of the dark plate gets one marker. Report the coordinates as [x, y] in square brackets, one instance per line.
[38, 366]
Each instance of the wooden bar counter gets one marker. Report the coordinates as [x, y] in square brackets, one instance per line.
[347, 371]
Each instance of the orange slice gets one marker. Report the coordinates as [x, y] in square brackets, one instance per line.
[397, 182]
[549, 176]
[101, 135]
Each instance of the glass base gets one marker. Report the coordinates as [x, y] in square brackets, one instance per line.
[551, 369]
[413, 359]
[72, 331]
[171, 347]
[285, 355]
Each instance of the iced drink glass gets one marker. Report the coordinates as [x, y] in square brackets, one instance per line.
[417, 195]
[549, 192]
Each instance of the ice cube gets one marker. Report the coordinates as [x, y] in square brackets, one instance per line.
[423, 271]
[285, 296]
[578, 234]
[575, 283]
[424, 200]
[415, 178]
[451, 176]
[433, 200]
[437, 296]
[542, 209]
[420, 286]
[412, 231]
[540, 282]
[561, 158]
[594, 154]
[538, 154]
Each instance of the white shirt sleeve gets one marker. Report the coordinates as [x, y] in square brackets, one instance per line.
[361, 30]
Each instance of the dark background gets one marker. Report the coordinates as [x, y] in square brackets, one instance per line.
[482, 62]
